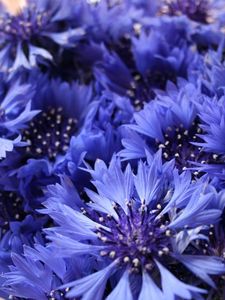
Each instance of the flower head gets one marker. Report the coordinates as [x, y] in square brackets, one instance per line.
[45, 137]
[154, 56]
[195, 10]
[139, 228]
[173, 123]
[32, 33]
[213, 126]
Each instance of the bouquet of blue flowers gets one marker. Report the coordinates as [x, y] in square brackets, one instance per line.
[112, 150]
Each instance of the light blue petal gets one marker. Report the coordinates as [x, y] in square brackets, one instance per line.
[116, 185]
[148, 180]
[63, 38]
[35, 51]
[92, 286]
[66, 247]
[101, 203]
[122, 290]
[173, 287]
[203, 266]
[5, 146]
[45, 255]
[21, 60]
[149, 289]
[196, 212]
[15, 94]
[72, 223]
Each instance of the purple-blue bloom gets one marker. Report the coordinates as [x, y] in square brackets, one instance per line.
[112, 150]
[32, 32]
[45, 137]
[196, 10]
[175, 123]
[137, 228]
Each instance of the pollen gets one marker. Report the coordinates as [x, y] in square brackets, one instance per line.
[178, 145]
[48, 138]
[136, 238]
[11, 208]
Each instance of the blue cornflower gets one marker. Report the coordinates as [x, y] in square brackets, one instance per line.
[47, 136]
[98, 16]
[50, 134]
[63, 106]
[196, 10]
[137, 231]
[95, 16]
[161, 46]
[157, 53]
[172, 122]
[24, 245]
[32, 33]
[213, 126]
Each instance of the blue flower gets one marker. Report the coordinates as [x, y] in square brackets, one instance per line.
[32, 33]
[162, 54]
[174, 123]
[98, 18]
[47, 136]
[213, 126]
[112, 152]
[63, 107]
[158, 53]
[195, 10]
[139, 229]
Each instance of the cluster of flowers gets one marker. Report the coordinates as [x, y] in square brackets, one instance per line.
[112, 150]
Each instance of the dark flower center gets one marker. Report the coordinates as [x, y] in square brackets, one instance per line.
[178, 145]
[142, 87]
[10, 208]
[136, 237]
[196, 10]
[49, 134]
